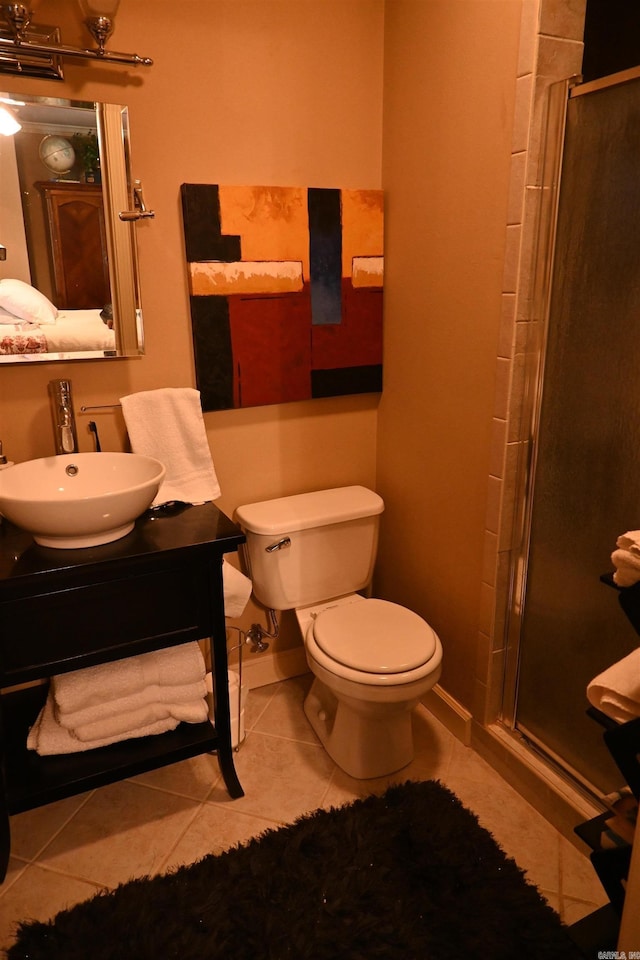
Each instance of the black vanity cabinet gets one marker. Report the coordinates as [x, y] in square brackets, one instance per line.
[62, 610]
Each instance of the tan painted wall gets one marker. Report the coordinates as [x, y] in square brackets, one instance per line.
[244, 92]
[291, 92]
[450, 71]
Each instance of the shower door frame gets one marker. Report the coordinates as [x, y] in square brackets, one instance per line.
[533, 383]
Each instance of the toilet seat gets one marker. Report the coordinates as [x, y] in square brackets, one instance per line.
[374, 642]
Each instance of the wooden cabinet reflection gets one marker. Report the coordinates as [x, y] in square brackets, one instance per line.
[74, 216]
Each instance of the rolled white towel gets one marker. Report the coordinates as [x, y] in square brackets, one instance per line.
[48, 738]
[110, 681]
[155, 694]
[196, 711]
[627, 566]
[616, 691]
[237, 590]
[630, 541]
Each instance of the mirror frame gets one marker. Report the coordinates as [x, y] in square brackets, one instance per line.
[112, 126]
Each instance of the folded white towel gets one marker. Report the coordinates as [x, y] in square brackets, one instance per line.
[167, 424]
[616, 691]
[92, 686]
[47, 738]
[627, 566]
[156, 693]
[630, 541]
[237, 590]
[196, 711]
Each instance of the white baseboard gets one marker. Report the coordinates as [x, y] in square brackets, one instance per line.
[260, 669]
[448, 711]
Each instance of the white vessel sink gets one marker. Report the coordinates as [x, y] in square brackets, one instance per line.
[79, 499]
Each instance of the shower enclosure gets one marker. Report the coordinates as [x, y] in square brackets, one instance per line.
[584, 476]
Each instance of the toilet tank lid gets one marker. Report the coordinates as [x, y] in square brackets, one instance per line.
[305, 510]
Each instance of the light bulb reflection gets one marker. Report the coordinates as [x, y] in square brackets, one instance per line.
[8, 122]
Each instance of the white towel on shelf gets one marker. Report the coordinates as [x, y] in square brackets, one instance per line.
[167, 424]
[237, 590]
[195, 711]
[156, 693]
[616, 691]
[48, 738]
[627, 566]
[109, 681]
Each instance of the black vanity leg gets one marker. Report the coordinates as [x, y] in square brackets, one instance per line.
[219, 671]
[223, 725]
[229, 775]
[5, 842]
[5, 829]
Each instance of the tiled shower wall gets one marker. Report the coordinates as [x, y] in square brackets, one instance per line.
[550, 50]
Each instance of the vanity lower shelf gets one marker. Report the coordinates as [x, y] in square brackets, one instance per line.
[63, 610]
[33, 780]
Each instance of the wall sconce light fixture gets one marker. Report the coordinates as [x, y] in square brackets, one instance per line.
[31, 51]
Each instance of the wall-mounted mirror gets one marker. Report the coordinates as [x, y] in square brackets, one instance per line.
[68, 266]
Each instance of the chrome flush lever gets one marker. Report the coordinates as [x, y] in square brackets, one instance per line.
[140, 212]
[279, 545]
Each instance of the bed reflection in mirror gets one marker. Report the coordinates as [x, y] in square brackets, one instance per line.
[68, 278]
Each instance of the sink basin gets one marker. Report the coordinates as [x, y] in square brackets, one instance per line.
[79, 499]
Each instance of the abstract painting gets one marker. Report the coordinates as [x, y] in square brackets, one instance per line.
[285, 288]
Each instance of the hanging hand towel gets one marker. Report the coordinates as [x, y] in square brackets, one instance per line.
[167, 424]
[616, 691]
[110, 681]
[627, 566]
[237, 590]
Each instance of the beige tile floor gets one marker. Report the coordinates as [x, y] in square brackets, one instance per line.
[67, 851]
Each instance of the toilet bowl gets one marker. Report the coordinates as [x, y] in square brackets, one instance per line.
[372, 661]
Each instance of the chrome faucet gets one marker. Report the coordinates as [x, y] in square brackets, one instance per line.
[64, 421]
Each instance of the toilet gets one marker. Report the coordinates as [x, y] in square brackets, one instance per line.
[372, 660]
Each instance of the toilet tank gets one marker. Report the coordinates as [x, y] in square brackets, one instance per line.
[311, 547]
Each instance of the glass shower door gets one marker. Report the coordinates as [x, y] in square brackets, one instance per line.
[586, 483]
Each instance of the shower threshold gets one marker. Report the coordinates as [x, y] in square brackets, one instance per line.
[562, 799]
[561, 766]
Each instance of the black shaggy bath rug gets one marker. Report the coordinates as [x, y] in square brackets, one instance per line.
[409, 875]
